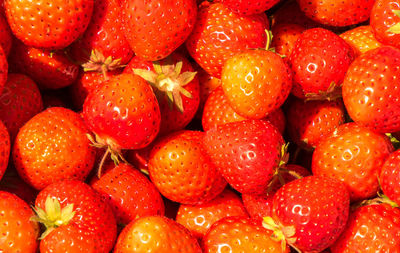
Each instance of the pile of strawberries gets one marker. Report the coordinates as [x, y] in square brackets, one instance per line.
[225, 126]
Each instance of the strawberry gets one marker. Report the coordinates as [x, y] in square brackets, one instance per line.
[354, 155]
[129, 193]
[12, 183]
[337, 13]
[371, 90]
[312, 58]
[310, 212]
[123, 113]
[259, 86]
[104, 34]
[389, 177]
[246, 152]
[249, 7]
[5, 35]
[361, 39]
[72, 203]
[52, 146]
[19, 102]
[4, 148]
[240, 234]
[156, 234]
[385, 19]
[199, 218]
[219, 34]
[52, 26]
[290, 13]
[48, 68]
[176, 87]
[18, 232]
[309, 122]
[155, 29]
[285, 37]
[3, 69]
[371, 228]
[181, 169]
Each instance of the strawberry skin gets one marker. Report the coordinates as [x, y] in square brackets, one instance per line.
[361, 39]
[390, 175]
[249, 7]
[4, 148]
[5, 35]
[3, 69]
[385, 22]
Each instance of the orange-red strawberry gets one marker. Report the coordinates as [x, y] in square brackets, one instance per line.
[74, 204]
[385, 21]
[52, 25]
[154, 29]
[371, 90]
[3, 69]
[129, 193]
[238, 234]
[52, 146]
[259, 86]
[5, 35]
[389, 177]
[361, 39]
[199, 218]
[249, 7]
[285, 37]
[354, 155]
[19, 102]
[182, 170]
[246, 152]
[18, 232]
[4, 148]
[219, 34]
[371, 228]
[155, 234]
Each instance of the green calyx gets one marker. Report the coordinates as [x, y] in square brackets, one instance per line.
[282, 234]
[395, 28]
[168, 79]
[53, 215]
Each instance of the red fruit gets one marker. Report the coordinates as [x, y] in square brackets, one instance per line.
[52, 146]
[43, 25]
[123, 113]
[238, 234]
[75, 204]
[278, 119]
[290, 13]
[3, 69]
[319, 61]
[249, 7]
[246, 152]
[371, 90]
[285, 37]
[385, 21]
[337, 13]
[256, 82]
[4, 148]
[182, 171]
[155, 29]
[354, 155]
[18, 232]
[48, 68]
[129, 193]
[199, 218]
[371, 228]
[12, 183]
[5, 35]
[361, 39]
[207, 84]
[311, 211]
[155, 234]
[390, 175]
[219, 34]
[19, 102]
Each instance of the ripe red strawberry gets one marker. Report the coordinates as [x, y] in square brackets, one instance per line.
[290, 13]
[4, 148]
[156, 234]
[246, 152]
[75, 204]
[3, 69]
[390, 175]
[249, 7]
[337, 13]
[219, 34]
[48, 68]
[361, 39]
[182, 171]
[18, 232]
[52, 26]
[311, 212]
[19, 102]
[310, 122]
[199, 218]
[354, 155]
[371, 90]
[52, 146]
[319, 61]
[12, 183]
[129, 193]
[371, 228]
[104, 34]
[123, 113]
[259, 86]
[155, 29]
[239, 234]
[385, 19]
[176, 87]
[5, 35]
[285, 37]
